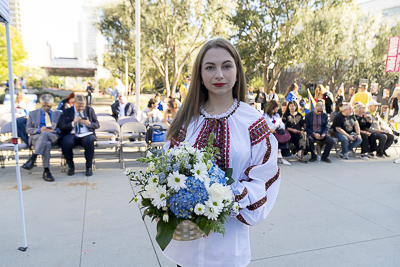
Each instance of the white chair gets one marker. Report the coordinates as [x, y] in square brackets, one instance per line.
[126, 131]
[105, 118]
[7, 146]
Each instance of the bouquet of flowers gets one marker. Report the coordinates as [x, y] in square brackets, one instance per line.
[184, 187]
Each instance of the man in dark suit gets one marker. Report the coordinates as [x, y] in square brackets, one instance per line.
[123, 108]
[317, 128]
[77, 125]
[41, 126]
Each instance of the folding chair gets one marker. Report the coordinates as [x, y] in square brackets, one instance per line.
[107, 136]
[122, 121]
[105, 118]
[126, 131]
[7, 146]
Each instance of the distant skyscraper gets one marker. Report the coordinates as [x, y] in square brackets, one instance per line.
[23, 16]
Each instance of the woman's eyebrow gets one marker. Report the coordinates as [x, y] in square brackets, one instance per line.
[212, 63]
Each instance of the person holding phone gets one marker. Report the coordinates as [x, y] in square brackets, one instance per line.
[77, 125]
[41, 126]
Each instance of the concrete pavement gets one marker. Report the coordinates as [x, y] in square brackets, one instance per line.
[346, 213]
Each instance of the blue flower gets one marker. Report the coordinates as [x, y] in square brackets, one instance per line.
[216, 175]
[183, 202]
[161, 175]
[175, 167]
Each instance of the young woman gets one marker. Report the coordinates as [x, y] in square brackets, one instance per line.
[272, 95]
[172, 109]
[319, 92]
[215, 104]
[294, 123]
[151, 114]
[275, 123]
[292, 93]
[67, 102]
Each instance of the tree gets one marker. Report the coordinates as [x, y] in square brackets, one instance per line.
[17, 51]
[335, 39]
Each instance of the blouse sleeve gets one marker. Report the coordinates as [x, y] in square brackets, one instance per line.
[258, 189]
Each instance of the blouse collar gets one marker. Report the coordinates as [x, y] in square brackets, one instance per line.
[226, 114]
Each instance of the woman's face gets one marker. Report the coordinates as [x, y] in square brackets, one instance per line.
[276, 110]
[361, 110]
[218, 71]
[292, 108]
[284, 109]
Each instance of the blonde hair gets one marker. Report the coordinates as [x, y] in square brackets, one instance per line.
[198, 93]
[319, 91]
[358, 107]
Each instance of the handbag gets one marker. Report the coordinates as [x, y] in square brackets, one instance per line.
[282, 137]
[155, 133]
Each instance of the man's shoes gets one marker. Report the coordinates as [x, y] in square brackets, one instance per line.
[380, 155]
[364, 157]
[312, 159]
[372, 156]
[89, 172]
[29, 164]
[327, 160]
[341, 154]
[71, 171]
[47, 176]
[385, 154]
[346, 155]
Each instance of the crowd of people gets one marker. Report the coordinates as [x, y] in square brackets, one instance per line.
[354, 123]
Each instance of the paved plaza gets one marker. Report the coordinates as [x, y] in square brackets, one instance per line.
[342, 214]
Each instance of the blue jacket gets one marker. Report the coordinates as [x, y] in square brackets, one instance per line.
[309, 121]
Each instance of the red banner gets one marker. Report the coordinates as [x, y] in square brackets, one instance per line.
[393, 55]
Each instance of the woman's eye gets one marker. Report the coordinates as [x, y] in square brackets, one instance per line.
[227, 66]
[209, 68]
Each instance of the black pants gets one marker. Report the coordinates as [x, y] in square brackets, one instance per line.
[21, 129]
[385, 141]
[368, 144]
[327, 141]
[69, 141]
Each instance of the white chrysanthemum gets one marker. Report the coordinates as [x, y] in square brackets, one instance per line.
[199, 157]
[128, 171]
[165, 217]
[149, 154]
[154, 179]
[211, 213]
[151, 167]
[206, 183]
[215, 203]
[160, 197]
[150, 189]
[199, 209]
[235, 207]
[176, 180]
[138, 200]
[200, 171]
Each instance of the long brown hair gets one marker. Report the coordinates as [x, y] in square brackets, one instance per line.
[272, 104]
[198, 93]
[291, 87]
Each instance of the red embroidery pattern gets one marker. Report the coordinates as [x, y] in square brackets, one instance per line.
[257, 204]
[181, 138]
[269, 149]
[272, 180]
[241, 219]
[247, 171]
[241, 196]
[258, 131]
[220, 128]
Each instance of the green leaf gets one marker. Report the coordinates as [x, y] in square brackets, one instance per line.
[165, 231]
[228, 173]
[201, 222]
[145, 213]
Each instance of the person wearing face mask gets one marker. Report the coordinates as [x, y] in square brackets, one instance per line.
[215, 104]
[43, 133]
[78, 124]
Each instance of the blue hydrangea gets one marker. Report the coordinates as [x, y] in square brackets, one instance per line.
[162, 177]
[188, 166]
[182, 203]
[169, 168]
[175, 167]
[216, 175]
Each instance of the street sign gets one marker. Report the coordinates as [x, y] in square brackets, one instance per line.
[393, 55]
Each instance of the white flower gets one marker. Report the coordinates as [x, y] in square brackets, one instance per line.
[199, 156]
[154, 179]
[199, 209]
[217, 204]
[211, 213]
[235, 207]
[138, 200]
[151, 167]
[127, 171]
[191, 150]
[176, 180]
[165, 217]
[149, 154]
[150, 189]
[220, 192]
[200, 171]
[160, 197]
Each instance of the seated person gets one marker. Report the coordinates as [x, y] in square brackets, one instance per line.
[294, 123]
[347, 130]
[283, 108]
[368, 145]
[276, 124]
[67, 102]
[41, 126]
[159, 103]
[171, 111]
[336, 111]
[317, 131]
[77, 125]
[381, 129]
[302, 110]
[151, 114]
[123, 108]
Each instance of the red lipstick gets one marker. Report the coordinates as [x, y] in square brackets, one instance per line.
[219, 84]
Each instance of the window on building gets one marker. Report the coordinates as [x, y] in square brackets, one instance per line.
[391, 11]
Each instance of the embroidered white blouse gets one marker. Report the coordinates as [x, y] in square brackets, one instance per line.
[246, 145]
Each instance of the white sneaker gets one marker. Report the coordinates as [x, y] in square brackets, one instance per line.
[397, 161]
[285, 162]
[364, 157]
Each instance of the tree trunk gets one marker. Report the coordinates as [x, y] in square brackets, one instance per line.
[264, 76]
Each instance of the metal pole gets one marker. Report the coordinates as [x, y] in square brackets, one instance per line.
[15, 136]
[137, 52]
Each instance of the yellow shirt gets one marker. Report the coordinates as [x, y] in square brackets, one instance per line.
[184, 91]
[363, 97]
